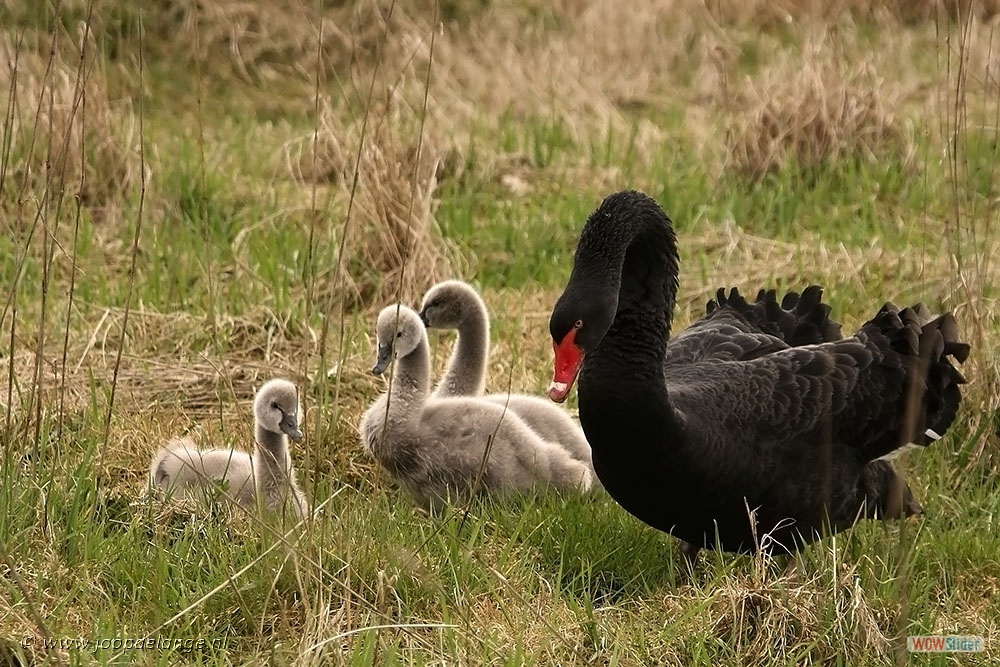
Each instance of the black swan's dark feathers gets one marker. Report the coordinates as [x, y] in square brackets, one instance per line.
[853, 387]
[797, 320]
[757, 427]
[734, 329]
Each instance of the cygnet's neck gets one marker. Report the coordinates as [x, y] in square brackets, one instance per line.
[411, 381]
[466, 374]
[274, 477]
[276, 443]
[271, 461]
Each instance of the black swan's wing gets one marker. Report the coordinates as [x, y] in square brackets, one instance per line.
[734, 329]
[890, 384]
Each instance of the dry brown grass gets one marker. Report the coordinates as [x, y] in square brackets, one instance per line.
[396, 248]
[777, 12]
[573, 76]
[807, 114]
[344, 42]
[320, 156]
[66, 134]
[182, 374]
[386, 177]
[765, 620]
[256, 41]
[504, 64]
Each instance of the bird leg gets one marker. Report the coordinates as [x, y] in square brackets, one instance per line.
[690, 553]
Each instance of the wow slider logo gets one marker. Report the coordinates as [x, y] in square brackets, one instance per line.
[945, 644]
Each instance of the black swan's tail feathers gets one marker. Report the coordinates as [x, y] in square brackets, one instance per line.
[924, 349]
[812, 318]
[938, 342]
[799, 319]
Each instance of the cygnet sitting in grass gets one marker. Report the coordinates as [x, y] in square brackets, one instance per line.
[267, 475]
[454, 304]
[435, 447]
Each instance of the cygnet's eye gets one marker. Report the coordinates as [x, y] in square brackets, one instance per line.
[274, 405]
[399, 334]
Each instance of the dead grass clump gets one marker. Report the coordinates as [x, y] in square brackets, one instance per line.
[765, 621]
[812, 114]
[319, 157]
[392, 249]
[64, 135]
[267, 40]
[395, 251]
[764, 13]
[602, 62]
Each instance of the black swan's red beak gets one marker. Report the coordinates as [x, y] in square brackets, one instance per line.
[568, 359]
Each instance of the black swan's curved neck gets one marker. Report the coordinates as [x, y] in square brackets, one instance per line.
[619, 302]
[628, 247]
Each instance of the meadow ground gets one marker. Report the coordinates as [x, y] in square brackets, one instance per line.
[199, 196]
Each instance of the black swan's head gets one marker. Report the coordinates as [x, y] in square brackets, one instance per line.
[628, 227]
[276, 408]
[579, 321]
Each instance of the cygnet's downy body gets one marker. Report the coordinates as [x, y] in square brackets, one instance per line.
[266, 477]
[441, 448]
[454, 304]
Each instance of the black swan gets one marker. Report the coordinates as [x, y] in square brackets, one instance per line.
[267, 475]
[434, 447]
[453, 304]
[757, 429]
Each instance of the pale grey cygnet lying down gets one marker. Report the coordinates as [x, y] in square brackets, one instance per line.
[435, 446]
[180, 467]
[454, 304]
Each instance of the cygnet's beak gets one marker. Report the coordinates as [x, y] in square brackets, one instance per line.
[383, 360]
[289, 425]
[423, 318]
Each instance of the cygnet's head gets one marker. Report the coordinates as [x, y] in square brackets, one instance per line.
[277, 408]
[447, 304]
[398, 332]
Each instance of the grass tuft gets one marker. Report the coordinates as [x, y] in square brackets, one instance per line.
[65, 134]
[395, 247]
[810, 112]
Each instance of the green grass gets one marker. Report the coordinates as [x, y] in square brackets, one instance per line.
[236, 281]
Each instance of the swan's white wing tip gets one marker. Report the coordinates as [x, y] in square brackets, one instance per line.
[930, 433]
[896, 452]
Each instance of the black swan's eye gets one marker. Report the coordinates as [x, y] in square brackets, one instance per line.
[578, 324]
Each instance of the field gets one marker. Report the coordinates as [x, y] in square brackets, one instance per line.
[199, 196]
